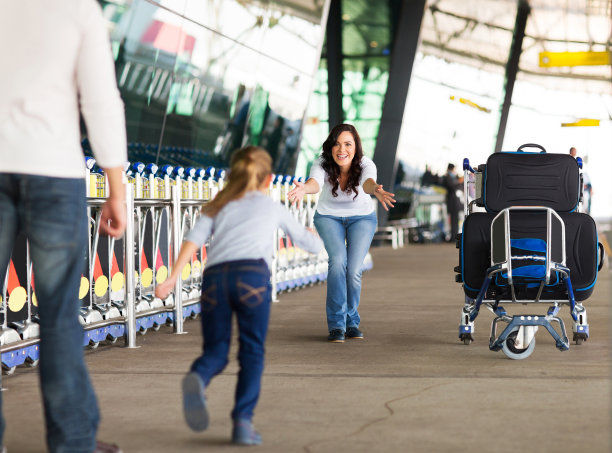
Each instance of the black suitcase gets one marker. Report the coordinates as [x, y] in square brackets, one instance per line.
[581, 248]
[531, 179]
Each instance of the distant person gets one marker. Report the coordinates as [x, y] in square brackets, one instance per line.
[427, 178]
[291, 144]
[586, 184]
[236, 280]
[400, 174]
[273, 138]
[451, 182]
[60, 65]
[346, 221]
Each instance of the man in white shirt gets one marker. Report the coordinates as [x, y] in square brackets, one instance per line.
[58, 64]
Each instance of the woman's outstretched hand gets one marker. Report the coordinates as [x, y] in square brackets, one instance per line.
[385, 198]
[297, 195]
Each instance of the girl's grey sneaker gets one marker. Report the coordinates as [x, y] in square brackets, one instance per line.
[354, 332]
[336, 336]
[244, 433]
[194, 402]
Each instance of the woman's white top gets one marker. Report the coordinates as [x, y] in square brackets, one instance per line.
[57, 61]
[344, 205]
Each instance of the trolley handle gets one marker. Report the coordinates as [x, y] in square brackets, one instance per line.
[601, 256]
[530, 145]
[466, 166]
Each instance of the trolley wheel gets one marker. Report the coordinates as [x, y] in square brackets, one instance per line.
[580, 337]
[8, 370]
[512, 351]
[31, 362]
[467, 338]
[93, 344]
[111, 340]
[193, 315]
[142, 330]
[156, 327]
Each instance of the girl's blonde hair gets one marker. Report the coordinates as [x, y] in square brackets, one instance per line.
[249, 168]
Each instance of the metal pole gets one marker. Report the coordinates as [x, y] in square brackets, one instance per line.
[512, 68]
[405, 44]
[130, 284]
[335, 71]
[176, 245]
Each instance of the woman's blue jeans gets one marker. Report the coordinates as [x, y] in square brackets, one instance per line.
[347, 241]
[242, 287]
[52, 214]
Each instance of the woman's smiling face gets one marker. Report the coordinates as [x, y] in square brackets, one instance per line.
[344, 150]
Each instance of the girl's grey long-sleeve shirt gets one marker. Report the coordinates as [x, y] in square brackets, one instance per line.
[244, 229]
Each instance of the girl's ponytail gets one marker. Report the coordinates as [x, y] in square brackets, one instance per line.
[249, 168]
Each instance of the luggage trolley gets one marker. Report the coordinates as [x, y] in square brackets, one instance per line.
[531, 246]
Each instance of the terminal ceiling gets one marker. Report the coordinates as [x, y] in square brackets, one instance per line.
[479, 33]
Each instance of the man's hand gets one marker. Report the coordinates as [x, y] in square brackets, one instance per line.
[113, 219]
[114, 213]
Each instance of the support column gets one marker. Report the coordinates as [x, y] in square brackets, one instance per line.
[402, 59]
[512, 67]
[334, 63]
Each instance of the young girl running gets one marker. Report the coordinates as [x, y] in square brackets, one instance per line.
[242, 221]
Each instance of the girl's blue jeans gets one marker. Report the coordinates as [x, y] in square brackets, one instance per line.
[241, 287]
[347, 241]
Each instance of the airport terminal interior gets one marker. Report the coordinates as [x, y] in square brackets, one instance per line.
[491, 123]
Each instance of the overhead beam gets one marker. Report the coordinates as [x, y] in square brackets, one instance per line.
[437, 50]
[555, 59]
[512, 67]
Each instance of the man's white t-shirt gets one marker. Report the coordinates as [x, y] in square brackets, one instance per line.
[345, 204]
[57, 63]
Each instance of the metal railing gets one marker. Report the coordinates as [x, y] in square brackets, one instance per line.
[120, 275]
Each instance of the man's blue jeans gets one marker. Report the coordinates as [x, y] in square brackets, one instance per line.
[52, 213]
[347, 241]
[242, 287]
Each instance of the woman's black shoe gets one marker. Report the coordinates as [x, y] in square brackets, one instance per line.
[354, 332]
[336, 336]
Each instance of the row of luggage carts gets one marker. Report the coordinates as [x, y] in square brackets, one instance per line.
[117, 288]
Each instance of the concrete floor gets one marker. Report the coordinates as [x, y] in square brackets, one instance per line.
[410, 386]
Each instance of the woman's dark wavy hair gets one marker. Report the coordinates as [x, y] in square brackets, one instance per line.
[331, 167]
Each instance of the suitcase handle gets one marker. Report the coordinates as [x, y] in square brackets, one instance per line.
[601, 256]
[530, 145]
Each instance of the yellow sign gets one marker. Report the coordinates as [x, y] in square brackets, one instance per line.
[101, 286]
[161, 275]
[84, 288]
[581, 123]
[554, 59]
[186, 271]
[147, 277]
[17, 299]
[471, 104]
[117, 282]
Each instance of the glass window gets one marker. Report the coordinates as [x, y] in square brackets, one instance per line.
[200, 78]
